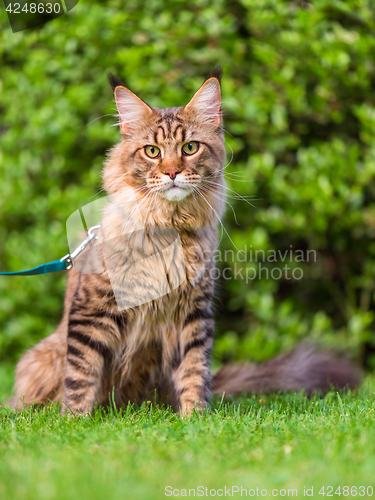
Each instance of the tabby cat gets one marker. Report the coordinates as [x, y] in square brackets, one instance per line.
[171, 162]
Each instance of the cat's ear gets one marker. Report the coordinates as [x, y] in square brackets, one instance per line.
[206, 103]
[131, 108]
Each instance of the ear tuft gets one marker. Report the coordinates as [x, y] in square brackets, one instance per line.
[114, 81]
[216, 72]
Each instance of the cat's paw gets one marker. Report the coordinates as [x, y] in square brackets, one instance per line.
[73, 412]
[188, 409]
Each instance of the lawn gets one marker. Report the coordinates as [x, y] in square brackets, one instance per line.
[276, 442]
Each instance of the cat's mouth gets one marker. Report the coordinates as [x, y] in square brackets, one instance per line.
[175, 193]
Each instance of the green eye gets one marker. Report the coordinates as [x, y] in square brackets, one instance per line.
[152, 151]
[190, 148]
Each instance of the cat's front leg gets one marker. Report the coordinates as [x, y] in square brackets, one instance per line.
[88, 350]
[192, 375]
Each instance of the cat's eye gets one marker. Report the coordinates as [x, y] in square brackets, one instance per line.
[152, 151]
[190, 148]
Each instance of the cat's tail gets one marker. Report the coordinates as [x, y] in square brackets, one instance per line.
[305, 368]
[40, 372]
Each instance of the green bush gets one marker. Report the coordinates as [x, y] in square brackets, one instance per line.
[299, 105]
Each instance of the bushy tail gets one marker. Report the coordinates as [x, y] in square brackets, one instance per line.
[305, 368]
[40, 373]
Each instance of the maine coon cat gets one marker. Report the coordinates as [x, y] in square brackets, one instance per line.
[171, 162]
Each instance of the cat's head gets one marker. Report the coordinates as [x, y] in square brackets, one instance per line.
[172, 159]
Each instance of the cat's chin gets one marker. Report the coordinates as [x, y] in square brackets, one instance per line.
[175, 193]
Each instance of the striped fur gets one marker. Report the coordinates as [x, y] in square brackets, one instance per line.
[162, 347]
[165, 344]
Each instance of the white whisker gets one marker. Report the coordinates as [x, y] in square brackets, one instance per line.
[95, 119]
[218, 218]
[236, 196]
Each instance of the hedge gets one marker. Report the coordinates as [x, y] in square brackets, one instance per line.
[299, 115]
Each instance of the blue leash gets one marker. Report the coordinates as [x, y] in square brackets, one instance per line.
[50, 267]
[63, 264]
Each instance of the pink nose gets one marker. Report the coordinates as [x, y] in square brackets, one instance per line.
[172, 172]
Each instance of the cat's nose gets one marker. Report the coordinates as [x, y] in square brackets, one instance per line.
[172, 172]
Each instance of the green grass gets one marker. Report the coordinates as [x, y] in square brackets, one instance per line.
[284, 441]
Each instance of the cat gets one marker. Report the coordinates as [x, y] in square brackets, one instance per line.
[166, 172]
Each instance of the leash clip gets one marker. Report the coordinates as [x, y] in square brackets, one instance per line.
[70, 258]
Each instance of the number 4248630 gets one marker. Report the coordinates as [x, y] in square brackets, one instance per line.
[346, 491]
[34, 8]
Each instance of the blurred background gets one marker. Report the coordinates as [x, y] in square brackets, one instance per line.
[299, 112]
